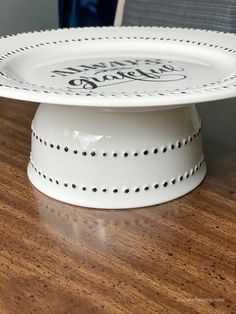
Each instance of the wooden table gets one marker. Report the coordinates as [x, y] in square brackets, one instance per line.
[179, 257]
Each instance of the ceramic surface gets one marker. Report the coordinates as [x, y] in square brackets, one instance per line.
[116, 160]
[121, 67]
[117, 127]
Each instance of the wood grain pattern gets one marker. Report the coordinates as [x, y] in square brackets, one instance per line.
[179, 257]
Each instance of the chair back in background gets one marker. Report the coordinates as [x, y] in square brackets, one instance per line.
[219, 15]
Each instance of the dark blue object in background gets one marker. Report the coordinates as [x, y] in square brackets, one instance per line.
[79, 13]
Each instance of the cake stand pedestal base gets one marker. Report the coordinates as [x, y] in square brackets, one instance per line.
[113, 159]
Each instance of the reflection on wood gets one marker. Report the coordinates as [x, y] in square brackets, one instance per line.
[176, 257]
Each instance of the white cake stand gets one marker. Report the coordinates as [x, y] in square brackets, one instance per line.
[117, 126]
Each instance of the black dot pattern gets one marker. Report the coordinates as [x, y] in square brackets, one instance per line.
[127, 190]
[225, 83]
[146, 152]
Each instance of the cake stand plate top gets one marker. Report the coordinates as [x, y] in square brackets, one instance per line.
[119, 67]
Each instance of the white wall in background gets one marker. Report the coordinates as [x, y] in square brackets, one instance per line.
[27, 15]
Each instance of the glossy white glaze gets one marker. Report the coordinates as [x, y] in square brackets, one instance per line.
[116, 160]
[119, 67]
[117, 127]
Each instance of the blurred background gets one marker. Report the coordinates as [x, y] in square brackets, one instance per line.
[28, 15]
[18, 16]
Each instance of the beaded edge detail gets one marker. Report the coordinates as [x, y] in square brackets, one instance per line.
[50, 90]
[116, 190]
[114, 153]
